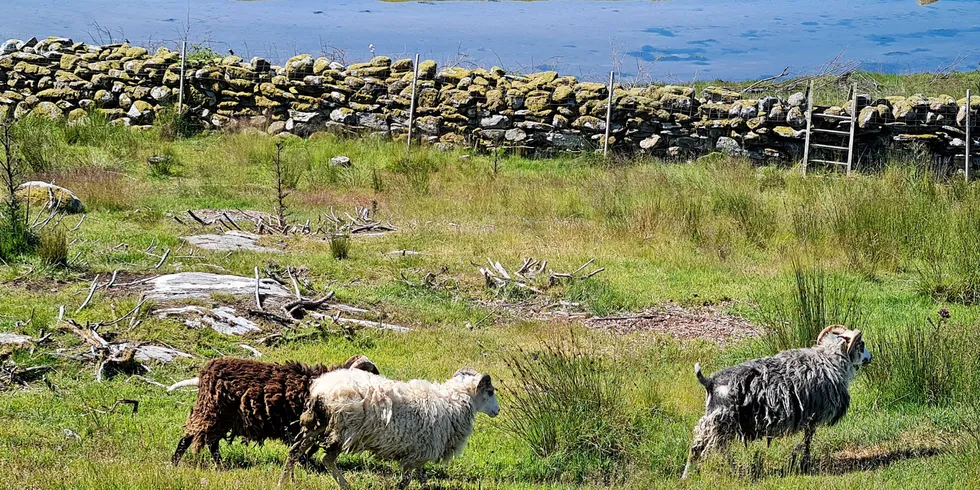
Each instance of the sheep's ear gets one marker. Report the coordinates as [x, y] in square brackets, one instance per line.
[485, 383]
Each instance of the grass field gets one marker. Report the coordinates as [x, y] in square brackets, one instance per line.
[885, 252]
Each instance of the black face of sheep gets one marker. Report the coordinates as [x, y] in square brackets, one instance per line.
[251, 399]
[795, 390]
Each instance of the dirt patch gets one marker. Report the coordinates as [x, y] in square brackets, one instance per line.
[873, 457]
[706, 323]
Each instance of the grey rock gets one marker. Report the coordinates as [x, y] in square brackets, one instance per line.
[223, 319]
[515, 135]
[371, 120]
[766, 104]
[534, 126]
[729, 147]
[304, 117]
[70, 203]
[797, 100]
[795, 118]
[651, 143]
[496, 121]
[340, 161]
[343, 116]
[567, 141]
[228, 242]
[161, 94]
[11, 45]
[202, 285]
[276, 127]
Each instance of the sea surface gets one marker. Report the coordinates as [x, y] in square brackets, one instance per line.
[665, 40]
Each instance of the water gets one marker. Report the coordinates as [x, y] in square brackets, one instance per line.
[675, 40]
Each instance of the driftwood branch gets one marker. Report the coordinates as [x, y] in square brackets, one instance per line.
[91, 292]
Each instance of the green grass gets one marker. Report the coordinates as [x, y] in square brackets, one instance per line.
[717, 232]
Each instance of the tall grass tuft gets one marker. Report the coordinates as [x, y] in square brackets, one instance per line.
[571, 407]
[171, 125]
[415, 169]
[932, 364]
[16, 237]
[340, 245]
[53, 247]
[815, 301]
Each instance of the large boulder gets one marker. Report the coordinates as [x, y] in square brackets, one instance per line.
[49, 196]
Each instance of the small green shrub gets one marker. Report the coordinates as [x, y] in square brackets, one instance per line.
[171, 125]
[598, 296]
[340, 245]
[53, 247]
[815, 301]
[573, 408]
[933, 364]
[166, 164]
[416, 169]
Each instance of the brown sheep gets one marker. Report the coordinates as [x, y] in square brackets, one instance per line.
[251, 399]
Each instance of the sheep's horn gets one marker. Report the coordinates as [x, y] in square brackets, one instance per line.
[852, 338]
[834, 329]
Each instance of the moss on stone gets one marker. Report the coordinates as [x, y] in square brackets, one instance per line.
[563, 94]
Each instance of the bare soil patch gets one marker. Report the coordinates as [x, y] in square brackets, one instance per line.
[706, 323]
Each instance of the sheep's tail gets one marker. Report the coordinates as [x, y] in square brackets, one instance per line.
[187, 382]
[706, 382]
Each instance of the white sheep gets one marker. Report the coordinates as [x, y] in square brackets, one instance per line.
[411, 422]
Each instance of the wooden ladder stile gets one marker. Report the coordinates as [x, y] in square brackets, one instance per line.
[852, 117]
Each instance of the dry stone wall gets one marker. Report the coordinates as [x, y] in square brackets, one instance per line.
[130, 85]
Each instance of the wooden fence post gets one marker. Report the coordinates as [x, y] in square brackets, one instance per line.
[605, 142]
[183, 66]
[411, 108]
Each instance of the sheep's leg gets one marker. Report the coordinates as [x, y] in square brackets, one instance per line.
[215, 452]
[802, 450]
[709, 435]
[807, 442]
[330, 461]
[698, 449]
[406, 477]
[185, 442]
[306, 439]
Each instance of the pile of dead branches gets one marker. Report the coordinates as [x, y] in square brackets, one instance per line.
[361, 222]
[119, 356]
[12, 374]
[303, 307]
[531, 275]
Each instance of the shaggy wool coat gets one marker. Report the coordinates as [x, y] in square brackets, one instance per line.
[408, 422]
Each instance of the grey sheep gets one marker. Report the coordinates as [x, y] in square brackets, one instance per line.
[795, 390]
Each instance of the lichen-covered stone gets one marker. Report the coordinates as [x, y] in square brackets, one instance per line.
[48, 110]
[299, 66]
[589, 123]
[452, 75]
[49, 196]
[721, 94]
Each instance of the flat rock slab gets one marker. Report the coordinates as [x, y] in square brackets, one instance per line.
[14, 338]
[229, 241]
[202, 285]
[222, 319]
[158, 353]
